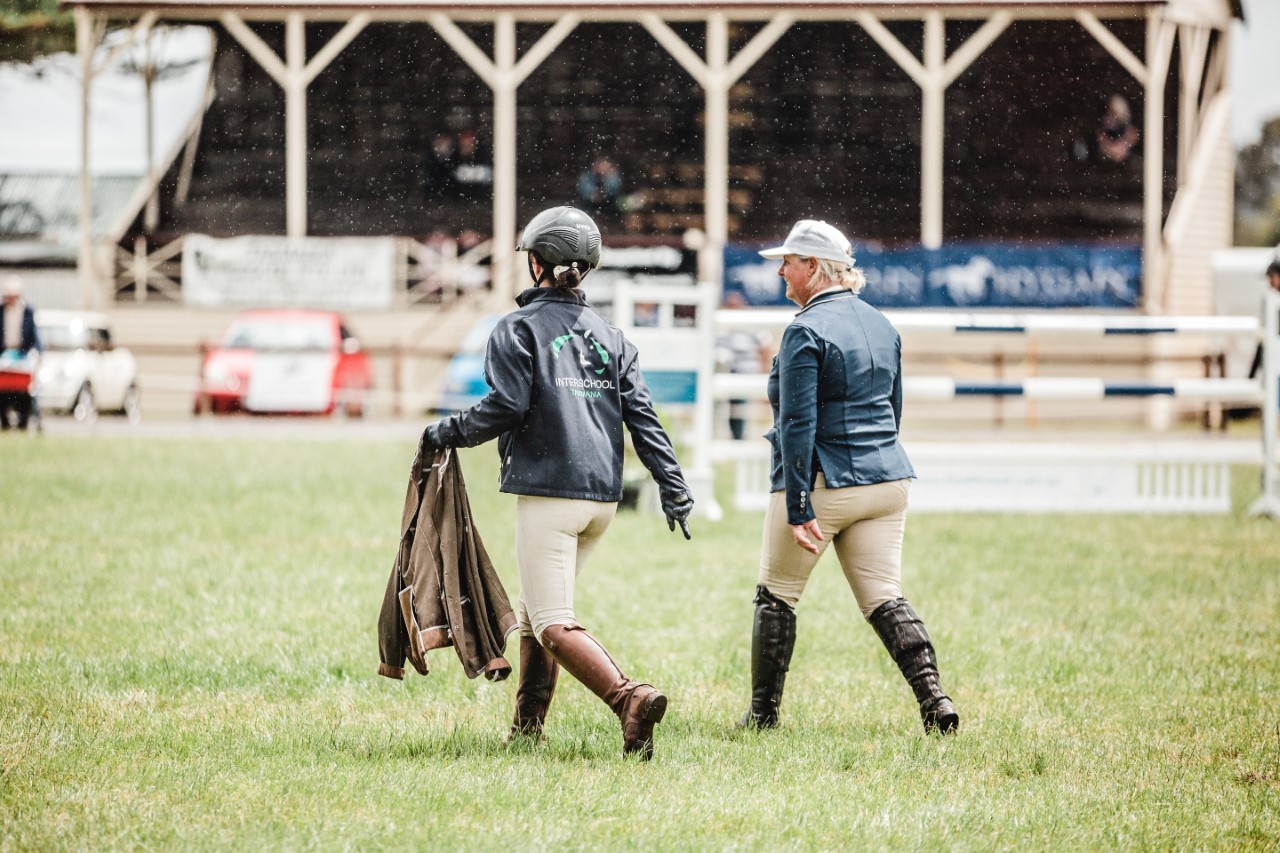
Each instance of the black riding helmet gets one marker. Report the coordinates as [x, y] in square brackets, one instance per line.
[561, 237]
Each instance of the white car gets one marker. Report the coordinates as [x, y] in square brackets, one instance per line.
[82, 372]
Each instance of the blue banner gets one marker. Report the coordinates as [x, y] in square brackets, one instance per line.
[978, 275]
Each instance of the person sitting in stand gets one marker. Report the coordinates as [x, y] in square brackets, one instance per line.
[1117, 135]
[442, 159]
[600, 188]
[473, 174]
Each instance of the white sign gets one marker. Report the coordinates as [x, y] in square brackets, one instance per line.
[289, 382]
[292, 272]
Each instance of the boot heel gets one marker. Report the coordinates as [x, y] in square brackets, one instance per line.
[655, 707]
[637, 726]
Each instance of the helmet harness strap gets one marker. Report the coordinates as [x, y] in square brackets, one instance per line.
[537, 279]
[550, 275]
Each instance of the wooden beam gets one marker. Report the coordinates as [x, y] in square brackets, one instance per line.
[760, 43]
[543, 47]
[462, 45]
[889, 42]
[932, 130]
[933, 76]
[503, 283]
[503, 74]
[143, 26]
[1193, 49]
[187, 168]
[294, 75]
[256, 47]
[335, 45]
[87, 28]
[1160, 35]
[1201, 163]
[678, 48]
[295, 125]
[974, 46]
[1114, 46]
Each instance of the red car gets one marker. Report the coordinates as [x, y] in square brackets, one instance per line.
[286, 362]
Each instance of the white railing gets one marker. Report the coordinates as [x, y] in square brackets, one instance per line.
[1144, 474]
[439, 270]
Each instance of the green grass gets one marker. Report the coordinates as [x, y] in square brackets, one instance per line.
[187, 657]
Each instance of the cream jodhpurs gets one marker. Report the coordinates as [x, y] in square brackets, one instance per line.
[554, 538]
[864, 523]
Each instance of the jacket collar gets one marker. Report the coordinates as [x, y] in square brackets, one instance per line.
[829, 296]
[550, 294]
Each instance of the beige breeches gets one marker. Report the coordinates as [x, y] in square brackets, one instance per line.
[865, 524]
[554, 538]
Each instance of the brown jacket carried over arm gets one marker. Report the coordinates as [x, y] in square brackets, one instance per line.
[443, 589]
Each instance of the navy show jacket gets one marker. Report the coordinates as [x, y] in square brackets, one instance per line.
[836, 392]
[564, 383]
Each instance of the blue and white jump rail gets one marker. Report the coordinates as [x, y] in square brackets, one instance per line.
[1024, 325]
[1143, 475]
[738, 386]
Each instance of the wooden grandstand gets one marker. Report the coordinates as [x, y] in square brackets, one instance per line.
[912, 122]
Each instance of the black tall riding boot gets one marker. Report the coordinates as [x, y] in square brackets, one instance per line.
[773, 637]
[904, 635]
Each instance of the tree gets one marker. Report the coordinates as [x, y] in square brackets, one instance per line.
[1258, 189]
[32, 28]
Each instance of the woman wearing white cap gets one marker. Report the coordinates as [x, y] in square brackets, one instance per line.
[839, 473]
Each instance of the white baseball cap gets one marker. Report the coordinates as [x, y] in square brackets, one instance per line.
[813, 238]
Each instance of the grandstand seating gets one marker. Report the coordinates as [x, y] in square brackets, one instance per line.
[823, 125]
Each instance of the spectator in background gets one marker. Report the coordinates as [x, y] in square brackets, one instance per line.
[473, 174]
[1117, 135]
[600, 188]
[442, 159]
[740, 351]
[1273, 282]
[19, 337]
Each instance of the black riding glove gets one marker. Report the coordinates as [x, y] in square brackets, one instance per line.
[677, 508]
[430, 441]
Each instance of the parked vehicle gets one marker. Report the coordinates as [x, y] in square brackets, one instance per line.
[17, 390]
[464, 383]
[82, 372]
[274, 361]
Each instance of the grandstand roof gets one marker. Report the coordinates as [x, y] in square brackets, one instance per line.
[1197, 8]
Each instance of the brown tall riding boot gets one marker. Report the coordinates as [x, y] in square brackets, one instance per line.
[639, 706]
[538, 673]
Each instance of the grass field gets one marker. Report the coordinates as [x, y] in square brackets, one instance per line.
[187, 657]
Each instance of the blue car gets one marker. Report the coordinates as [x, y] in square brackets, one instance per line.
[464, 384]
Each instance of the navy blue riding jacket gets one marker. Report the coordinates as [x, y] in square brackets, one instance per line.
[836, 392]
[563, 384]
[30, 333]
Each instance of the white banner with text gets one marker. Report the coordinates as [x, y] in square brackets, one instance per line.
[293, 272]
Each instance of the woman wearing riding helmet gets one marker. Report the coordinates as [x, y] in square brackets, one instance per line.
[563, 384]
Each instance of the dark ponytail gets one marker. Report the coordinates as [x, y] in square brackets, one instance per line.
[564, 277]
[569, 277]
